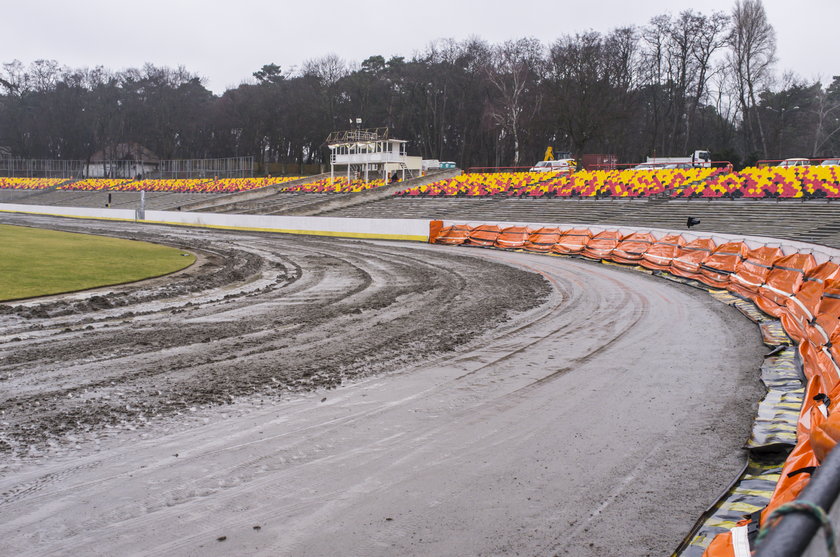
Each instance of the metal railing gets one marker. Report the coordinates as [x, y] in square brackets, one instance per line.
[794, 162]
[662, 165]
[491, 169]
[794, 533]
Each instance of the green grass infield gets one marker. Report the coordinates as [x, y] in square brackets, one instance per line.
[35, 262]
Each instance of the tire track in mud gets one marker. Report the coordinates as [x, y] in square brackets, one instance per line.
[499, 461]
[262, 316]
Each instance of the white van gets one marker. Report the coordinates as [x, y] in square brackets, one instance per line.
[563, 165]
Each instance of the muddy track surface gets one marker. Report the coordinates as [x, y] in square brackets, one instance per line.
[257, 315]
[297, 396]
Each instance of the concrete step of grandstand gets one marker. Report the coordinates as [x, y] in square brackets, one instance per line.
[310, 204]
[811, 221]
[278, 203]
[19, 196]
[371, 195]
[99, 199]
[237, 201]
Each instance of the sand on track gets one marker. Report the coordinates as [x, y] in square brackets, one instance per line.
[300, 396]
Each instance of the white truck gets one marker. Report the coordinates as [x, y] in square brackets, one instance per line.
[698, 159]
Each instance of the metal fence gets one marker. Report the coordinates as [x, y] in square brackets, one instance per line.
[40, 168]
[231, 167]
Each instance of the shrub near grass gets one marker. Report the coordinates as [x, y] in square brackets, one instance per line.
[35, 262]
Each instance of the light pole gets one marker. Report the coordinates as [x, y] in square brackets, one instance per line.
[781, 112]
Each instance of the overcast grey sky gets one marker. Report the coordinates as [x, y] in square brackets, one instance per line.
[225, 42]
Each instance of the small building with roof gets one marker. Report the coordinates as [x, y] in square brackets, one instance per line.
[122, 160]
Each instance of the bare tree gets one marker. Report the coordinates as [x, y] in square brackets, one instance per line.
[709, 38]
[752, 52]
[328, 69]
[513, 70]
[828, 117]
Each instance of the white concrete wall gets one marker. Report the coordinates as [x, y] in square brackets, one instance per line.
[390, 229]
[88, 212]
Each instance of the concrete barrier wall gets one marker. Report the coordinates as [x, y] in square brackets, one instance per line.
[386, 229]
[78, 212]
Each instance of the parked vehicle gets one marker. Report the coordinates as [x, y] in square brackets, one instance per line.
[562, 165]
[695, 160]
[830, 162]
[795, 162]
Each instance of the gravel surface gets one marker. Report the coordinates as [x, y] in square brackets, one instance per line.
[304, 396]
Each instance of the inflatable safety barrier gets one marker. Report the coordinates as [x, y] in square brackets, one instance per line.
[513, 237]
[753, 271]
[690, 257]
[662, 252]
[602, 245]
[632, 248]
[572, 241]
[791, 294]
[785, 278]
[721, 264]
[454, 235]
[543, 239]
[484, 235]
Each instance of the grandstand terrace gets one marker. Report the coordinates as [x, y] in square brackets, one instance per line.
[125, 193]
[751, 201]
[7, 183]
[586, 183]
[278, 194]
[339, 184]
[813, 182]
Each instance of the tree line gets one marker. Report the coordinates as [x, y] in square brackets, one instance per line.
[676, 84]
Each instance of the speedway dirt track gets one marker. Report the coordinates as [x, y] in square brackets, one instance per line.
[306, 396]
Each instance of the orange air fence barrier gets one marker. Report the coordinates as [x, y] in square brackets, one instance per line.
[824, 437]
[826, 315]
[753, 271]
[543, 239]
[717, 269]
[454, 235]
[659, 255]
[724, 544]
[783, 281]
[602, 245]
[435, 229]
[687, 262]
[800, 309]
[572, 241]
[633, 247]
[513, 237]
[484, 235]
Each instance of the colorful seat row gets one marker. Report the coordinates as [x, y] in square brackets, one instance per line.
[801, 182]
[768, 182]
[7, 183]
[339, 184]
[197, 185]
[586, 183]
[483, 184]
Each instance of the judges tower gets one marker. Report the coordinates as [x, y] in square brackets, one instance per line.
[366, 151]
